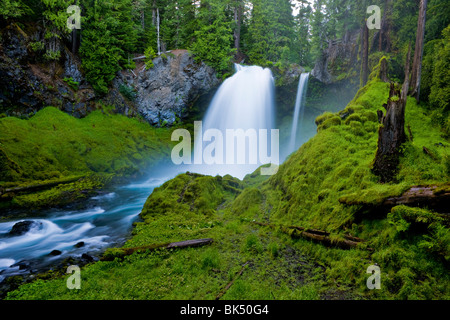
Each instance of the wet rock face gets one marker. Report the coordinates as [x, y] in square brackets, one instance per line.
[339, 61]
[160, 94]
[28, 85]
[167, 91]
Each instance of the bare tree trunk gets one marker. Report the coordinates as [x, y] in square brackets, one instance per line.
[74, 41]
[157, 28]
[365, 56]
[154, 13]
[238, 21]
[384, 35]
[418, 52]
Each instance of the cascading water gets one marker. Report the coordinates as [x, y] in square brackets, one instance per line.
[244, 101]
[299, 110]
[75, 232]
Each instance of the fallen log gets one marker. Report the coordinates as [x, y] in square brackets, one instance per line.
[228, 286]
[433, 197]
[318, 235]
[120, 253]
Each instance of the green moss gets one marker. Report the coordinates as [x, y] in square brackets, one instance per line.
[329, 122]
[53, 142]
[321, 186]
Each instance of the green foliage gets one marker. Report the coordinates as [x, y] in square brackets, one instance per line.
[440, 93]
[52, 141]
[72, 83]
[213, 41]
[149, 56]
[127, 92]
[109, 37]
[12, 9]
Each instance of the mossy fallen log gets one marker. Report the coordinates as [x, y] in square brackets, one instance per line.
[434, 197]
[120, 253]
[345, 242]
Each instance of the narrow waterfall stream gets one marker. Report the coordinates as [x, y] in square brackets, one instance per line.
[299, 110]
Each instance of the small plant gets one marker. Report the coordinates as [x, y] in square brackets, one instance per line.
[149, 56]
[72, 83]
[127, 92]
[52, 55]
[37, 46]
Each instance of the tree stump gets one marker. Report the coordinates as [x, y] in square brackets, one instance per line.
[390, 136]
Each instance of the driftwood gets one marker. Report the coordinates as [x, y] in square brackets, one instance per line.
[318, 235]
[228, 286]
[123, 252]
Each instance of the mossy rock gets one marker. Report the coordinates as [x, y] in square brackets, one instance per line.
[330, 122]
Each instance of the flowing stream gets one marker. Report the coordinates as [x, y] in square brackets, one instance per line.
[244, 101]
[72, 233]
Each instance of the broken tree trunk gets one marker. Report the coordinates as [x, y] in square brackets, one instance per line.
[418, 52]
[391, 134]
[123, 252]
[384, 70]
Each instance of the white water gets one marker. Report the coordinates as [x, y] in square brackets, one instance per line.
[107, 223]
[244, 101]
[299, 110]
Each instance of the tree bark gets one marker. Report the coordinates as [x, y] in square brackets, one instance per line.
[384, 70]
[365, 56]
[418, 52]
[392, 133]
[237, 31]
[433, 197]
[384, 43]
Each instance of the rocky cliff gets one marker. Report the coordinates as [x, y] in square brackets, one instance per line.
[339, 61]
[170, 88]
[161, 94]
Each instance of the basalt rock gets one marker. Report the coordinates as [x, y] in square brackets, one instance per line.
[170, 88]
[29, 83]
[339, 61]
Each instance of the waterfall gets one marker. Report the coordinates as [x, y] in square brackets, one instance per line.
[299, 109]
[245, 102]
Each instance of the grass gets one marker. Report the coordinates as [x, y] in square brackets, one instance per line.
[53, 145]
[410, 245]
